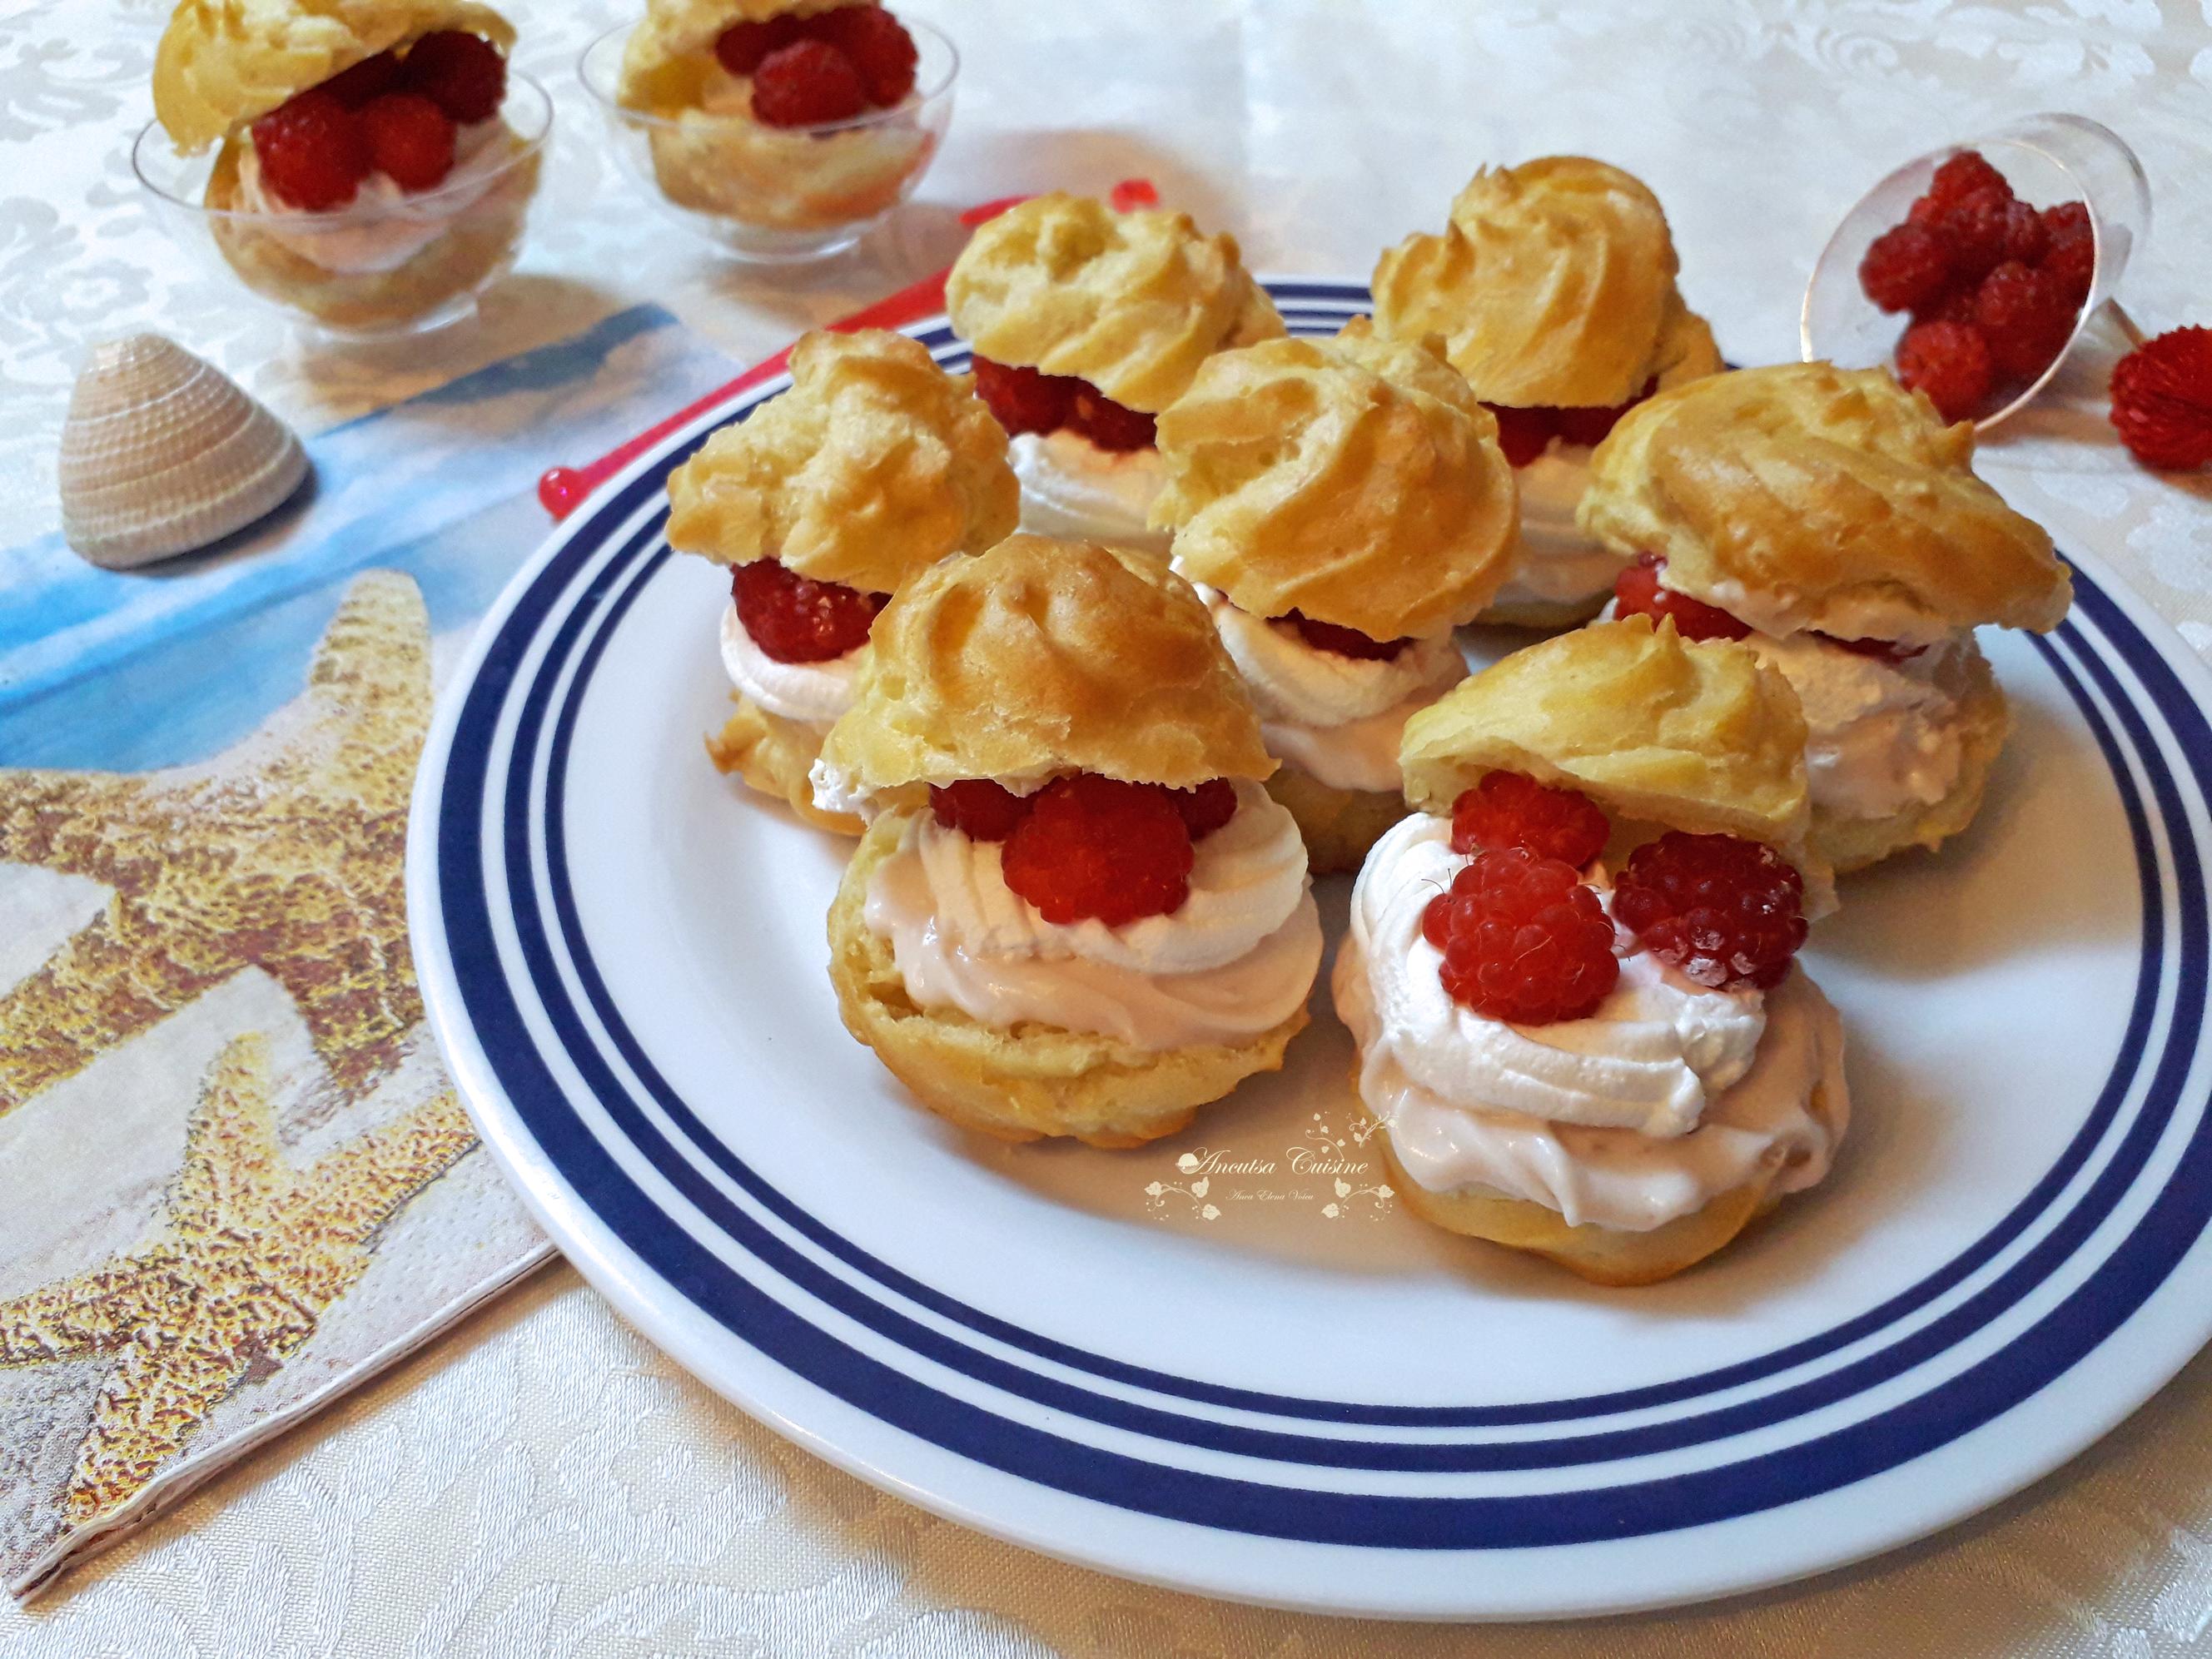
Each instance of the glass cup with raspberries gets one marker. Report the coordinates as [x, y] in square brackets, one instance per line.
[1969, 273]
[790, 136]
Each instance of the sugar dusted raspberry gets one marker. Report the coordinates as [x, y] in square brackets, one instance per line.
[1963, 175]
[740, 47]
[1592, 427]
[1523, 433]
[1343, 642]
[1206, 808]
[1638, 592]
[793, 619]
[1095, 848]
[366, 80]
[1110, 426]
[410, 138]
[1976, 228]
[312, 152]
[878, 44]
[1509, 810]
[1025, 399]
[2024, 316]
[461, 73]
[1949, 361]
[1906, 268]
[807, 84]
[980, 808]
[1523, 939]
[2162, 399]
[1726, 913]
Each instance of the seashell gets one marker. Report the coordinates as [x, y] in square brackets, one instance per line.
[162, 453]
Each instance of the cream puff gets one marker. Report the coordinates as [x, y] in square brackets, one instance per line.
[771, 113]
[1552, 287]
[1570, 973]
[1341, 505]
[366, 175]
[1832, 521]
[825, 500]
[1087, 323]
[1075, 911]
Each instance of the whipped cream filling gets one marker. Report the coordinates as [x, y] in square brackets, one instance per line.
[384, 226]
[1236, 959]
[1668, 1095]
[1881, 738]
[1072, 488]
[1337, 718]
[813, 693]
[1557, 564]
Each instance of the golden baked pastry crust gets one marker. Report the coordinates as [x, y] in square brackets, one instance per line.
[1694, 735]
[1041, 657]
[1552, 284]
[1300, 477]
[1829, 496]
[1338, 825]
[1030, 1080]
[1132, 302]
[222, 64]
[874, 466]
[774, 756]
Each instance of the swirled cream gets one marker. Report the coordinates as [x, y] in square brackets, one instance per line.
[1666, 1096]
[1072, 488]
[1237, 958]
[385, 225]
[1558, 564]
[1336, 718]
[812, 693]
[1881, 737]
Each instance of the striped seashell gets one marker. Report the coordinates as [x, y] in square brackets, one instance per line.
[162, 453]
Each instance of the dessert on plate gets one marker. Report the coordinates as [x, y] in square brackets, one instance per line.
[1075, 911]
[1832, 521]
[366, 174]
[1570, 973]
[773, 112]
[1552, 287]
[1341, 505]
[824, 502]
[1087, 323]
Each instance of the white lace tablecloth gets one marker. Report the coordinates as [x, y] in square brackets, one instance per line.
[541, 1481]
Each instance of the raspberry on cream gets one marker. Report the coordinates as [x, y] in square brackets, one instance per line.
[812, 693]
[385, 225]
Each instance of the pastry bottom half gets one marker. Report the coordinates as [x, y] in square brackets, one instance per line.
[1849, 843]
[1030, 1080]
[737, 169]
[774, 755]
[1339, 825]
[1553, 614]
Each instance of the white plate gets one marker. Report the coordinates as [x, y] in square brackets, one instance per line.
[1311, 1399]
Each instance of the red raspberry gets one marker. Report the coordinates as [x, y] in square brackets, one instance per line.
[1508, 810]
[2162, 399]
[1892, 651]
[1523, 939]
[410, 138]
[1025, 399]
[461, 74]
[312, 152]
[1592, 427]
[1095, 847]
[1206, 808]
[1724, 912]
[1343, 642]
[1949, 361]
[1976, 229]
[795, 620]
[1109, 425]
[741, 46]
[2026, 239]
[2024, 318]
[2070, 259]
[1963, 175]
[1523, 433]
[1637, 592]
[807, 84]
[1957, 305]
[878, 45]
[366, 80]
[1905, 268]
[978, 807]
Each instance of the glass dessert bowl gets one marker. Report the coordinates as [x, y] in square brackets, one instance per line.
[687, 133]
[2044, 162]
